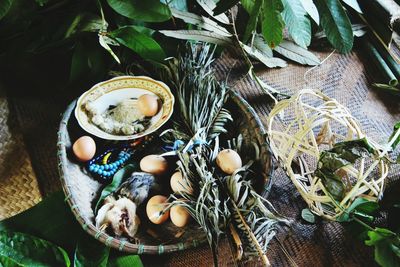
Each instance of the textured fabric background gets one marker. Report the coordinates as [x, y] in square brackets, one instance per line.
[343, 77]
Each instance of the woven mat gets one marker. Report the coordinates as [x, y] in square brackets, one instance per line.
[344, 78]
[19, 189]
[323, 244]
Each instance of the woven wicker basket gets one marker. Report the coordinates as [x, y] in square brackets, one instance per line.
[82, 191]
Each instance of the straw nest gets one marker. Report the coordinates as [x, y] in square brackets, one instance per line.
[300, 128]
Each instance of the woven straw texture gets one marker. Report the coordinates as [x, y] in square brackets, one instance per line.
[82, 191]
[343, 77]
[19, 189]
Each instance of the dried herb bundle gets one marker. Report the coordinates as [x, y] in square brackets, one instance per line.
[200, 96]
[219, 203]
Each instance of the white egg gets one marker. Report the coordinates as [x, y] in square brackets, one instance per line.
[229, 161]
[84, 148]
[179, 216]
[148, 105]
[179, 184]
[154, 164]
[154, 209]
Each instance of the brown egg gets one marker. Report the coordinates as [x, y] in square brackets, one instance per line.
[148, 105]
[154, 207]
[154, 164]
[229, 161]
[179, 215]
[84, 148]
[178, 184]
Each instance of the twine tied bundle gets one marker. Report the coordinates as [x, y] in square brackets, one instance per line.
[300, 128]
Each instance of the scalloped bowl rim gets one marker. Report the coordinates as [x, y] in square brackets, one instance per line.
[163, 117]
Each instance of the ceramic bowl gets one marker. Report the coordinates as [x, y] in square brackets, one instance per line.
[113, 91]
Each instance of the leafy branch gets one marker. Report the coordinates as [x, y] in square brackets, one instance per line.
[128, 29]
[362, 211]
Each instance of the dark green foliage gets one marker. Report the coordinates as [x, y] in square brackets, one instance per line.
[340, 155]
[148, 10]
[18, 249]
[224, 5]
[336, 24]
[90, 252]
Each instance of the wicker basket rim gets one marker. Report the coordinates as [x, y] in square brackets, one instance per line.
[141, 248]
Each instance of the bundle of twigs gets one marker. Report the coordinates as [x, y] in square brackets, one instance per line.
[219, 203]
[325, 153]
[200, 96]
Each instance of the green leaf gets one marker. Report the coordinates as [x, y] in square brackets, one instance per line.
[124, 261]
[342, 154]
[104, 44]
[252, 23]
[5, 6]
[358, 31]
[364, 205]
[144, 10]
[248, 5]
[311, 9]
[84, 22]
[140, 43]
[144, 30]
[354, 5]
[79, 63]
[396, 127]
[297, 22]
[224, 5]
[395, 249]
[119, 176]
[296, 53]
[385, 242]
[177, 4]
[208, 6]
[272, 22]
[198, 35]
[388, 88]
[308, 216]
[261, 46]
[379, 234]
[200, 21]
[360, 206]
[352, 150]
[336, 24]
[331, 162]
[18, 249]
[333, 183]
[270, 62]
[61, 229]
[90, 252]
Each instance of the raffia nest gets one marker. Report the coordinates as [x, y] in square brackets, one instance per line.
[308, 123]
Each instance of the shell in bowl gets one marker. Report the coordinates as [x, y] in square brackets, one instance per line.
[114, 91]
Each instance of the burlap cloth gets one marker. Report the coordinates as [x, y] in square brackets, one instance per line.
[343, 77]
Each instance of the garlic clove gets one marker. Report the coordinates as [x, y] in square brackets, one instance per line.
[113, 217]
[101, 215]
[120, 215]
